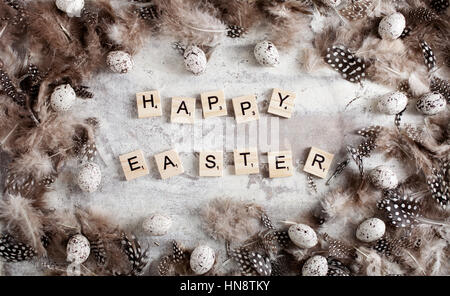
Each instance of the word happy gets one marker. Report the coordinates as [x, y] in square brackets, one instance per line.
[211, 162]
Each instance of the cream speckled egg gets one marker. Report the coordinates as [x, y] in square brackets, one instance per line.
[195, 60]
[391, 27]
[89, 177]
[71, 7]
[431, 104]
[302, 236]
[393, 103]
[119, 61]
[157, 224]
[62, 98]
[370, 230]
[202, 259]
[332, 3]
[78, 249]
[383, 177]
[315, 266]
[266, 53]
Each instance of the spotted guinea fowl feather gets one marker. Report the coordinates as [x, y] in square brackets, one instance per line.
[13, 251]
[356, 9]
[438, 184]
[340, 58]
[441, 86]
[401, 210]
[250, 262]
[428, 55]
[137, 257]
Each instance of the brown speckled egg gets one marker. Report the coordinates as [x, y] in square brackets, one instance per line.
[157, 224]
[302, 236]
[62, 98]
[202, 259]
[78, 249]
[391, 27]
[370, 230]
[267, 54]
[383, 177]
[195, 60]
[431, 104]
[71, 7]
[393, 103]
[89, 177]
[315, 266]
[119, 62]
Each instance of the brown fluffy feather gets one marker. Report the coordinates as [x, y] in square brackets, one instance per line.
[191, 22]
[421, 150]
[289, 22]
[231, 220]
[23, 220]
[243, 13]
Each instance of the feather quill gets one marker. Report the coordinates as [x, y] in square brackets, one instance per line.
[21, 217]
[192, 22]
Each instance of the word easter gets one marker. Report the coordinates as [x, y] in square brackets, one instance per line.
[211, 163]
[214, 105]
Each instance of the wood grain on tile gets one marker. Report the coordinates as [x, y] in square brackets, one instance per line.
[211, 164]
[318, 162]
[183, 110]
[282, 103]
[246, 161]
[169, 164]
[148, 104]
[134, 165]
[280, 164]
[245, 108]
[213, 104]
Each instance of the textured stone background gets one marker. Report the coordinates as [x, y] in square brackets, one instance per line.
[323, 118]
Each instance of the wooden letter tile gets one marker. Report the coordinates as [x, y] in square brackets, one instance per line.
[213, 104]
[134, 165]
[318, 162]
[245, 108]
[211, 164]
[183, 110]
[280, 164]
[148, 104]
[169, 164]
[282, 103]
[246, 161]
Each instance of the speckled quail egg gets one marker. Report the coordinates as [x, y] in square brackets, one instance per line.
[391, 27]
[302, 236]
[119, 61]
[71, 7]
[157, 224]
[393, 103]
[383, 177]
[89, 177]
[315, 266]
[78, 249]
[195, 60]
[62, 98]
[431, 103]
[202, 259]
[267, 54]
[370, 230]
